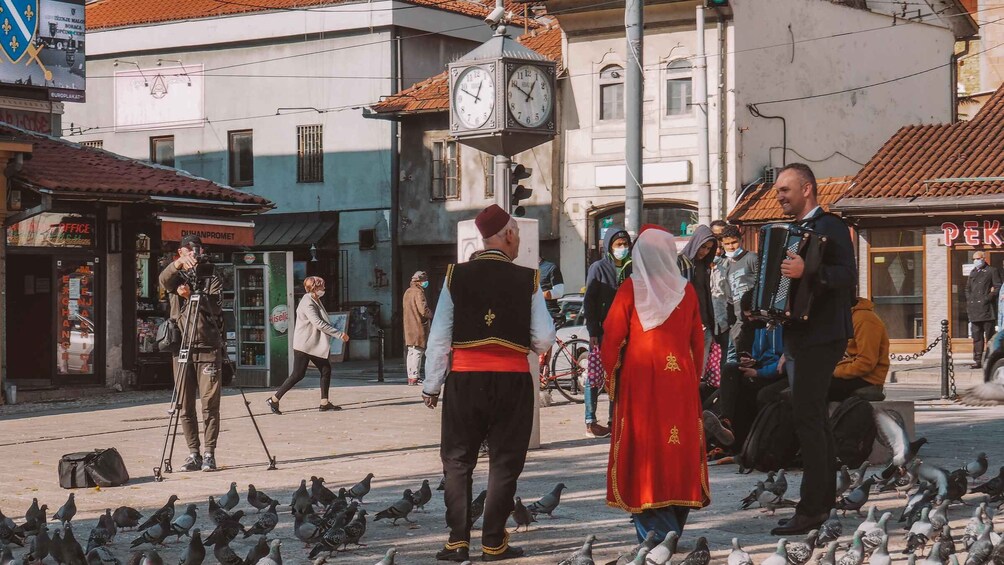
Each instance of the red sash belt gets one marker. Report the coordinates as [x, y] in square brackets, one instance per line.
[491, 359]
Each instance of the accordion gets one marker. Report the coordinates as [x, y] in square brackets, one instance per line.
[776, 298]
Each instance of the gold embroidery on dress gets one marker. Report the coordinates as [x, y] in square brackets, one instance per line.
[671, 364]
[489, 317]
[674, 436]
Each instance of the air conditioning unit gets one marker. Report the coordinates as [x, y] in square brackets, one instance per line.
[770, 175]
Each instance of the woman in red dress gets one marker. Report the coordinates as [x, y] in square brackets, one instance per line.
[653, 352]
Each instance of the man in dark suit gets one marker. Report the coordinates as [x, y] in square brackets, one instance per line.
[816, 345]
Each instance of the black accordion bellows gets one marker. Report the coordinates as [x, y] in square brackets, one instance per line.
[777, 298]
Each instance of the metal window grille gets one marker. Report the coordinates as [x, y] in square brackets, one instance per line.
[97, 144]
[488, 162]
[445, 170]
[309, 154]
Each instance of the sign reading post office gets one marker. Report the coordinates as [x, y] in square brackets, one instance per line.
[43, 46]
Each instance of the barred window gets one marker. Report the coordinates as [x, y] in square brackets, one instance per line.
[445, 170]
[97, 144]
[309, 154]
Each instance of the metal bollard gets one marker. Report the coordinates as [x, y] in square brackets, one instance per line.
[380, 337]
[944, 359]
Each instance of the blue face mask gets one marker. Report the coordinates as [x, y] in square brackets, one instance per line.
[621, 253]
[425, 284]
[732, 254]
[980, 263]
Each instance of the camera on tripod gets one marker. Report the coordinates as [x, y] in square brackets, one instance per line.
[196, 278]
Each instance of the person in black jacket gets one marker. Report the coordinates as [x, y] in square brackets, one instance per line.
[817, 344]
[604, 278]
[981, 295]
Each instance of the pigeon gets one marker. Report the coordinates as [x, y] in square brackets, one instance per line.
[938, 478]
[155, 534]
[780, 556]
[767, 482]
[257, 551]
[320, 494]
[34, 516]
[753, 496]
[870, 522]
[981, 550]
[947, 542]
[258, 499]
[920, 499]
[701, 555]
[166, 511]
[548, 503]
[266, 523]
[873, 538]
[938, 516]
[183, 522]
[56, 548]
[909, 480]
[478, 506]
[423, 496]
[40, 544]
[102, 556]
[6, 556]
[582, 556]
[216, 512]
[893, 434]
[881, 555]
[301, 500]
[662, 553]
[934, 558]
[986, 394]
[151, 558]
[388, 558]
[73, 554]
[225, 555]
[856, 498]
[843, 480]
[858, 476]
[977, 467]
[522, 516]
[361, 489]
[920, 533]
[66, 511]
[307, 532]
[629, 556]
[958, 484]
[831, 530]
[230, 500]
[830, 557]
[855, 555]
[799, 553]
[640, 559]
[399, 510]
[442, 484]
[126, 517]
[974, 527]
[738, 555]
[994, 487]
[99, 537]
[355, 529]
[195, 553]
[10, 533]
[108, 523]
[274, 556]
[770, 502]
[780, 484]
[227, 530]
[997, 557]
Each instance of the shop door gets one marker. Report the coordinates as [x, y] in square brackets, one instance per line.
[30, 306]
[77, 319]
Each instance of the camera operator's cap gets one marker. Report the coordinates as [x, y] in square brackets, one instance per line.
[492, 220]
[190, 240]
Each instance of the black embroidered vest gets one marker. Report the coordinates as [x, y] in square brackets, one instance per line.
[491, 302]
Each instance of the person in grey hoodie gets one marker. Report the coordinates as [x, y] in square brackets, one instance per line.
[695, 264]
[740, 274]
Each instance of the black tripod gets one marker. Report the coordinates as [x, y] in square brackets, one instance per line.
[181, 384]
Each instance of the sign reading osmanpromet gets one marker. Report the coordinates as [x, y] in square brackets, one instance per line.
[223, 233]
[43, 46]
[987, 233]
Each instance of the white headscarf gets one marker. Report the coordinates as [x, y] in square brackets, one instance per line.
[658, 285]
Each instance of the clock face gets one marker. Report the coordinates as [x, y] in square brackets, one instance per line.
[474, 97]
[529, 96]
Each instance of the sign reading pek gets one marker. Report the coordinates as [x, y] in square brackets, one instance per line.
[987, 233]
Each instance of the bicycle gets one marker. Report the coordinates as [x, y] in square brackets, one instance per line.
[563, 368]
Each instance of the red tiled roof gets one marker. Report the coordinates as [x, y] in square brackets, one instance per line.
[123, 13]
[761, 204]
[935, 161]
[63, 166]
[433, 94]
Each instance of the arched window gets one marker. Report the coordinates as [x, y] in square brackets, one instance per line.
[678, 87]
[612, 93]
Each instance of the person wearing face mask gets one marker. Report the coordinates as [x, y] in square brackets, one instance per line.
[982, 289]
[311, 343]
[740, 272]
[694, 263]
[417, 321]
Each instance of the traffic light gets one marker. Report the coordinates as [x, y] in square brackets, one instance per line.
[519, 192]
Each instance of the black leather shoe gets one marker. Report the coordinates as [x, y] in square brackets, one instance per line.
[273, 406]
[976, 366]
[458, 555]
[799, 524]
[328, 406]
[511, 552]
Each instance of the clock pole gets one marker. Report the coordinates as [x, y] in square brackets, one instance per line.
[503, 184]
[634, 20]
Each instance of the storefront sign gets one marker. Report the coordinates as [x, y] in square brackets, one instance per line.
[987, 233]
[51, 229]
[235, 234]
[279, 318]
[31, 121]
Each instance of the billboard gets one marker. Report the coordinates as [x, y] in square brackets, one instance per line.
[43, 46]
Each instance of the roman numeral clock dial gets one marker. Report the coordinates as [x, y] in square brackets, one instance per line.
[474, 97]
[529, 96]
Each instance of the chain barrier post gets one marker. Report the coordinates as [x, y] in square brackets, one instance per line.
[945, 352]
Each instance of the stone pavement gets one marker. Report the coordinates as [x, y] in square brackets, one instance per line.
[384, 429]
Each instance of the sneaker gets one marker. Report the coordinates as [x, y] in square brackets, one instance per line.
[719, 456]
[209, 462]
[273, 406]
[713, 427]
[483, 450]
[193, 463]
[412, 382]
[596, 430]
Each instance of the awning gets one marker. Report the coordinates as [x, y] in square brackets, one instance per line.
[213, 231]
[286, 231]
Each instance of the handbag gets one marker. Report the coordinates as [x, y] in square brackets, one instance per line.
[168, 336]
[595, 377]
[713, 371]
[101, 467]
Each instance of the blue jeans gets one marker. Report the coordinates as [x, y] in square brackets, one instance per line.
[661, 520]
[592, 398]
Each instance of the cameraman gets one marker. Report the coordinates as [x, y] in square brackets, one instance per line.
[204, 369]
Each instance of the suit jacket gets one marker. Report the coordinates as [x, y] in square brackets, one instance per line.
[833, 285]
[312, 332]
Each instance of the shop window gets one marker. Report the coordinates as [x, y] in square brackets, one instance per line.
[367, 239]
[896, 280]
[445, 170]
[679, 90]
[309, 154]
[240, 151]
[162, 150]
[77, 317]
[612, 93]
[961, 263]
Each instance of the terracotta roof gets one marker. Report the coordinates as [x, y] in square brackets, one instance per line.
[123, 13]
[938, 161]
[433, 94]
[66, 167]
[761, 205]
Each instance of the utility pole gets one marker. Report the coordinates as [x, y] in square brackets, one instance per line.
[700, 103]
[634, 23]
[503, 182]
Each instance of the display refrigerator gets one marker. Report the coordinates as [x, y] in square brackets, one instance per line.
[262, 302]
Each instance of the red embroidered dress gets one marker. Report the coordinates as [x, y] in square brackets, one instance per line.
[657, 454]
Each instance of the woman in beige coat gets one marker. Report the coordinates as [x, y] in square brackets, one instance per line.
[311, 335]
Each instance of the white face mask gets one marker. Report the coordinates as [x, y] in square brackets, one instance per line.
[731, 254]
[621, 253]
[319, 293]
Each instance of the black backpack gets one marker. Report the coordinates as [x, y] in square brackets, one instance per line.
[854, 431]
[101, 467]
[771, 444]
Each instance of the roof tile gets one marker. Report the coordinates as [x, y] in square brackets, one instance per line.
[761, 205]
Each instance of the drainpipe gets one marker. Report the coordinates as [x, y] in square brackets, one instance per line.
[396, 319]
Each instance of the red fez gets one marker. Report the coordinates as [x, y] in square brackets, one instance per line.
[492, 220]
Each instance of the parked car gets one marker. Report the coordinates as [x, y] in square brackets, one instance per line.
[993, 361]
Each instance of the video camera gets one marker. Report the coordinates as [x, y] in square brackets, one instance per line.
[204, 269]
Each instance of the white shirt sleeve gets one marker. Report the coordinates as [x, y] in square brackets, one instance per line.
[541, 325]
[557, 291]
[440, 344]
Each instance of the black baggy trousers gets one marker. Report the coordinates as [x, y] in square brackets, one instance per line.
[478, 406]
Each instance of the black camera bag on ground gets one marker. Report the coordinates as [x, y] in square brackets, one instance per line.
[854, 431]
[101, 467]
[771, 444]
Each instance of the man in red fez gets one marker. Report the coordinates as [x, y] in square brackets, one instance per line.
[490, 315]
